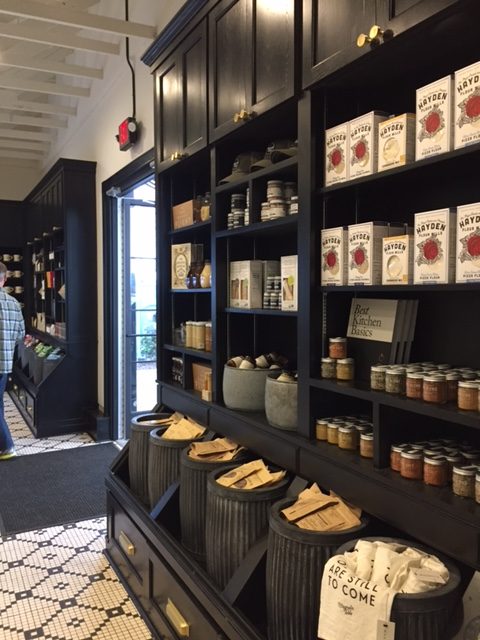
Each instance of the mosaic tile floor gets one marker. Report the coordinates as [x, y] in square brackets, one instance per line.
[55, 583]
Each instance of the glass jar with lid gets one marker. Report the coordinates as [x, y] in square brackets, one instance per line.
[377, 377]
[329, 368]
[435, 389]
[411, 464]
[435, 471]
[395, 380]
[366, 445]
[463, 481]
[477, 487]
[293, 208]
[468, 395]
[321, 428]
[452, 378]
[395, 456]
[332, 432]
[278, 208]
[337, 348]
[347, 437]
[208, 335]
[414, 385]
[206, 275]
[345, 369]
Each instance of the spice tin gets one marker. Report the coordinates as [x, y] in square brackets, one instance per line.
[434, 132]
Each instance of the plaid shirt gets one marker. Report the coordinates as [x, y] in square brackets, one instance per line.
[12, 329]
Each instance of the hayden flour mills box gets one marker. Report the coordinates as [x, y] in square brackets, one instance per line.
[467, 105]
[365, 251]
[468, 243]
[396, 141]
[334, 268]
[336, 154]
[434, 247]
[364, 144]
[434, 119]
[397, 262]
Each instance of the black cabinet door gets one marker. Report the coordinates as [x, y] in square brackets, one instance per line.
[330, 31]
[252, 59]
[181, 99]
[230, 56]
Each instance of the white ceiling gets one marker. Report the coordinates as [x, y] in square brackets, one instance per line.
[51, 53]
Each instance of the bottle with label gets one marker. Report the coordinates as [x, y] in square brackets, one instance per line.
[206, 276]
[205, 208]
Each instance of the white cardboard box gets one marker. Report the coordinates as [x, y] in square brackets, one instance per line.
[336, 154]
[396, 141]
[181, 257]
[434, 133]
[363, 145]
[334, 267]
[289, 273]
[434, 247]
[365, 251]
[397, 259]
[467, 105]
[468, 243]
[246, 284]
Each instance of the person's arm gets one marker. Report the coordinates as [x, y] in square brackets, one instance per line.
[20, 327]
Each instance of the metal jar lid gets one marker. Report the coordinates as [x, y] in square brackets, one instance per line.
[434, 378]
[366, 436]
[395, 372]
[337, 339]
[412, 455]
[345, 361]
[397, 448]
[379, 368]
[468, 385]
[415, 375]
[469, 471]
[347, 428]
[438, 461]
[328, 360]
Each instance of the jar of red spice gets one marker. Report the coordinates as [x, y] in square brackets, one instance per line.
[411, 465]
[468, 395]
[435, 389]
[414, 385]
[435, 471]
[395, 456]
[337, 348]
[452, 386]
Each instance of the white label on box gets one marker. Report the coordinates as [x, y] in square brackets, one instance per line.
[397, 261]
[246, 284]
[336, 154]
[434, 247]
[468, 243]
[334, 266]
[365, 252]
[364, 144]
[396, 141]
[289, 271]
[180, 261]
[434, 118]
[467, 105]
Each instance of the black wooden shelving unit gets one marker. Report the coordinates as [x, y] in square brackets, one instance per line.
[339, 82]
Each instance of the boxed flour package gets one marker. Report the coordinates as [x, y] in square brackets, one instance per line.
[365, 251]
[334, 267]
[363, 151]
[397, 259]
[434, 119]
[434, 247]
[396, 141]
[289, 273]
[336, 154]
[468, 243]
[467, 105]
[246, 290]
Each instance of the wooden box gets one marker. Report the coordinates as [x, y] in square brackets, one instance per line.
[199, 373]
[185, 214]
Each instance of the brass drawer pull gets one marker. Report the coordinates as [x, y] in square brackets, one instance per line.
[126, 544]
[178, 621]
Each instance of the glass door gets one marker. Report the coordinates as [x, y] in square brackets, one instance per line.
[140, 303]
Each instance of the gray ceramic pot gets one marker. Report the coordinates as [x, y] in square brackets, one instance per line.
[281, 403]
[244, 389]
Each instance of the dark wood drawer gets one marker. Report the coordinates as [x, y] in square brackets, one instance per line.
[173, 606]
[128, 549]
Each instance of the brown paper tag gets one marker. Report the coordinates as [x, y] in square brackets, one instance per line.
[218, 446]
[324, 520]
[183, 430]
[255, 480]
[303, 508]
[234, 475]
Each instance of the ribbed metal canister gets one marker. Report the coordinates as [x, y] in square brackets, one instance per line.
[236, 519]
[295, 561]
[163, 463]
[423, 616]
[193, 500]
[138, 453]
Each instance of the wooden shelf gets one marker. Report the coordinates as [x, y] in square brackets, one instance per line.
[197, 353]
[280, 225]
[361, 390]
[416, 288]
[418, 166]
[263, 312]
[190, 290]
[202, 226]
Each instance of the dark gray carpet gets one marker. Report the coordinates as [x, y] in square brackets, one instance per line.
[58, 487]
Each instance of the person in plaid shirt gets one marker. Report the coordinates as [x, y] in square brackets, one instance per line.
[12, 330]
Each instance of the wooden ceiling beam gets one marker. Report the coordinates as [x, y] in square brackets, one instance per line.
[66, 39]
[18, 134]
[49, 66]
[52, 88]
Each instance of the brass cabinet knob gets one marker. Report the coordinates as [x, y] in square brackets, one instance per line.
[363, 39]
[377, 32]
[236, 117]
[246, 115]
[178, 155]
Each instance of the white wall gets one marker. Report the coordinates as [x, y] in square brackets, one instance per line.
[91, 134]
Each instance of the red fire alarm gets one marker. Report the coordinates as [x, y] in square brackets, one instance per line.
[127, 133]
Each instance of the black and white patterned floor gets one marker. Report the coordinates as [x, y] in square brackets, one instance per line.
[55, 583]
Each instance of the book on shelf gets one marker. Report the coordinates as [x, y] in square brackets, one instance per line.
[380, 331]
